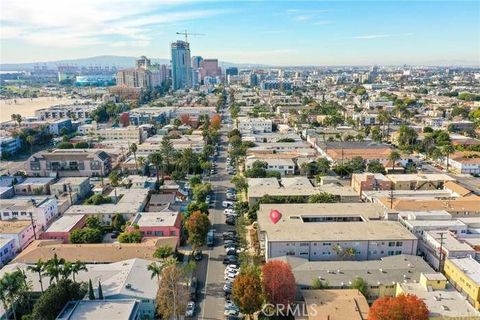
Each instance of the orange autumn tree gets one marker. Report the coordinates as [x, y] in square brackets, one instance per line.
[278, 282]
[403, 307]
[215, 122]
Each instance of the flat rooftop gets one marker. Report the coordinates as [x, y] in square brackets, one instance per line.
[387, 270]
[448, 302]
[420, 177]
[469, 266]
[156, 219]
[99, 309]
[36, 180]
[294, 220]
[71, 180]
[13, 227]
[336, 304]
[65, 223]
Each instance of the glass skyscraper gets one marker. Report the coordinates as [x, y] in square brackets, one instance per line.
[181, 65]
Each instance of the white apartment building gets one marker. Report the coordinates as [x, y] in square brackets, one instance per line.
[282, 166]
[252, 125]
[21, 231]
[42, 209]
[338, 231]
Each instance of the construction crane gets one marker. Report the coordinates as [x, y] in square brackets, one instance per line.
[186, 34]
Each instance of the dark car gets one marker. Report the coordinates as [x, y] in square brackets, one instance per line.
[232, 252]
[230, 260]
[230, 221]
[197, 255]
[115, 234]
[193, 288]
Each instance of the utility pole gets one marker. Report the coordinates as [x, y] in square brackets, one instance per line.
[441, 259]
[33, 226]
[391, 197]
[70, 193]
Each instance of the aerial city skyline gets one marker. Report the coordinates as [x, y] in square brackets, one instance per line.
[238, 160]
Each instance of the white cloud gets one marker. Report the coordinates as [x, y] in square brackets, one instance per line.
[387, 35]
[78, 23]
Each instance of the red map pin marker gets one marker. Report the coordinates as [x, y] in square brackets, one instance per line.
[275, 216]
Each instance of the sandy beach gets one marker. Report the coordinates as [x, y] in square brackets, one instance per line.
[26, 106]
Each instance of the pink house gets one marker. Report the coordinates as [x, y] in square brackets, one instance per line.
[63, 227]
[165, 223]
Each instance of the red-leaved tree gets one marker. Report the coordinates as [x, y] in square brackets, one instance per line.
[403, 307]
[215, 122]
[185, 118]
[278, 282]
[124, 119]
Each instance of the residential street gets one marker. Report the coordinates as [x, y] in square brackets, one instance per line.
[211, 272]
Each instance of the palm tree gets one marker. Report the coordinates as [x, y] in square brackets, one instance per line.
[447, 150]
[133, 149]
[38, 268]
[141, 162]
[53, 268]
[156, 159]
[114, 178]
[66, 270]
[394, 156]
[31, 141]
[12, 286]
[77, 267]
[155, 269]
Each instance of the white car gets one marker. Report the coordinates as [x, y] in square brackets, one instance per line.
[227, 204]
[229, 212]
[190, 309]
[232, 266]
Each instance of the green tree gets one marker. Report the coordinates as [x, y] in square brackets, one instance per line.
[114, 178]
[319, 284]
[86, 235]
[155, 270]
[361, 285]
[91, 294]
[118, 221]
[407, 137]
[375, 166]
[65, 145]
[93, 222]
[197, 226]
[53, 268]
[100, 291]
[447, 150]
[394, 156]
[133, 236]
[156, 159]
[52, 301]
[323, 166]
[240, 182]
[163, 252]
[12, 287]
[31, 140]
[322, 197]
[77, 267]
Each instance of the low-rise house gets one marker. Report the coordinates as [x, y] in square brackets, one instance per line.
[333, 304]
[62, 228]
[332, 231]
[456, 206]
[165, 223]
[464, 162]
[9, 145]
[370, 181]
[77, 187]
[295, 187]
[441, 299]
[33, 186]
[131, 201]
[69, 162]
[338, 151]
[420, 181]
[282, 166]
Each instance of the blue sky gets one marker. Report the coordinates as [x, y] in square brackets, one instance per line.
[269, 32]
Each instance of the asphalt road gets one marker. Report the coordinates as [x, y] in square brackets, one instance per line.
[210, 272]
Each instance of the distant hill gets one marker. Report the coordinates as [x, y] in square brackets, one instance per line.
[107, 60]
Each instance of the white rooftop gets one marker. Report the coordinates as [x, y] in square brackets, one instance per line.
[469, 266]
[65, 223]
[99, 309]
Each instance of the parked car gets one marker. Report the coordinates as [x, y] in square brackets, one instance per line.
[230, 220]
[197, 255]
[193, 288]
[227, 204]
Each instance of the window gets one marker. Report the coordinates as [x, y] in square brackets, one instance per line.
[391, 244]
[399, 243]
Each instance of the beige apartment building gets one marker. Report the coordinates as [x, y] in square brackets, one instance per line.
[69, 163]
